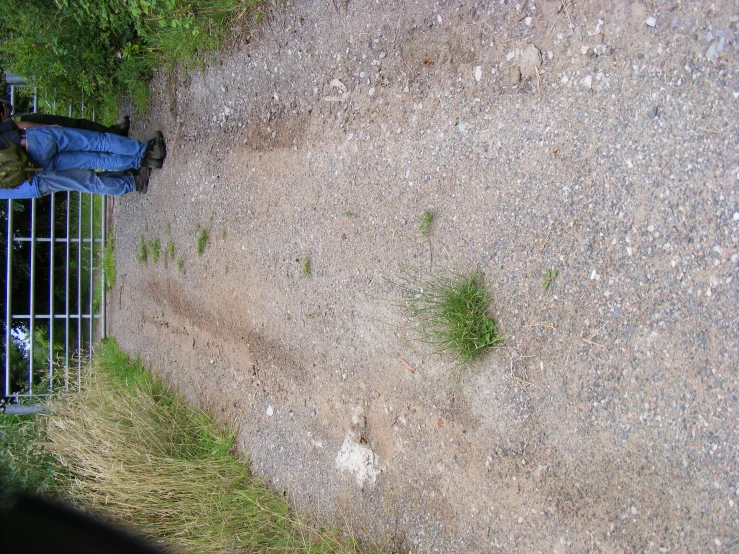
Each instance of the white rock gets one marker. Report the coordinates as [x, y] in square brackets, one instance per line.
[478, 73]
[650, 21]
[528, 21]
[736, 216]
[587, 82]
[270, 410]
[512, 54]
[358, 460]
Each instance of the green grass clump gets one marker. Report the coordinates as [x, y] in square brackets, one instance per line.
[155, 246]
[549, 276]
[24, 464]
[426, 218]
[169, 252]
[453, 313]
[143, 458]
[181, 265]
[305, 267]
[202, 241]
[108, 262]
[143, 251]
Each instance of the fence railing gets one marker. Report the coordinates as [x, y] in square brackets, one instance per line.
[54, 291]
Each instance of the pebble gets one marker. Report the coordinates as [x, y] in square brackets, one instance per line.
[651, 21]
[654, 112]
[270, 410]
[382, 55]
[530, 62]
[478, 73]
[587, 82]
[715, 49]
[509, 57]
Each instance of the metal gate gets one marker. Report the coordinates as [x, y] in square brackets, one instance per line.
[54, 292]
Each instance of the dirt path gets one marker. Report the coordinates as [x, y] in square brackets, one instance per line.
[608, 421]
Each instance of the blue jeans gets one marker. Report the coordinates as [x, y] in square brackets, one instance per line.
[114, 183]
[62, 148]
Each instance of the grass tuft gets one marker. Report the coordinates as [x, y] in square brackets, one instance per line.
[453, 313]
[143, 251]
[155, 247]
[305, 267]
[426, 219]
[181, 265]
[202, 241]
[549, 276]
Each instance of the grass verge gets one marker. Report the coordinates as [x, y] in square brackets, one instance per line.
[140, 456]
[452, 310]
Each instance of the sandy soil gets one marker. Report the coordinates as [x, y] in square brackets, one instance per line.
[607, 422]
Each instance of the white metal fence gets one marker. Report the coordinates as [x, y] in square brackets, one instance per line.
[54, 292]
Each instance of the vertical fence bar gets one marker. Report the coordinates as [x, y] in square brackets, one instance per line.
[8, 297]
[52, 268]
[66, 299]
[92, 262]
[32, 300]
[79, 291]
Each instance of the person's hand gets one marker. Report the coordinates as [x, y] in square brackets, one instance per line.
[5, 111]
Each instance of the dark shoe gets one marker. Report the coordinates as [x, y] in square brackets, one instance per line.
[141, 178]
[158, 148]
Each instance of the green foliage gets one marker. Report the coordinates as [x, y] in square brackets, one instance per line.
[426, 218]
[453, 312]
[143, 251]
[155, 247]
[305, 267]
[24, 464]
[549, 276]
[181, 265]
[169, 253]
[202, 241]
[109, 265]
[101, 49]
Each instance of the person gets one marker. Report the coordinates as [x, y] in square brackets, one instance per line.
[68, 157]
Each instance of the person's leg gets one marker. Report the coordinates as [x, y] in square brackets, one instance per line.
[75, 160]
[85, 149]
[70, 122]
[113, 183]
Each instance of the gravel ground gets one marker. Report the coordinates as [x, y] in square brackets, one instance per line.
[596, 138]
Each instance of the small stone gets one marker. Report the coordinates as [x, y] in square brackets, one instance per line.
[382, 55]
[528, 21]
[736, 216]
[478, 73]
[270, 410]
[362, 75]
[715, 49]
[371, 91]
[461, 127]
[587, 82]
[530, 62]
[406, 88]
[510, 56]
[654, 112]
[650, 21]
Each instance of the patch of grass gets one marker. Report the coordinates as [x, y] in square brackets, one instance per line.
[142, 457]
[108, 262]
[181, 265]
[549, 276]
[24, 464]
[143, 251]
[155, 247]
[426, 219]
[202, 241]
[169, 252]
[305, 267]
[349, 213]
[223, 233]
[452, 310]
